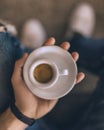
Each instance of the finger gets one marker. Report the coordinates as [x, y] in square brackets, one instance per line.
[80, 77]
[65, 45]
[21, 61]
[18, 66]
[75, 56]
[51, 41]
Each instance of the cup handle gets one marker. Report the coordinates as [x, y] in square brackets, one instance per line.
[64, 72]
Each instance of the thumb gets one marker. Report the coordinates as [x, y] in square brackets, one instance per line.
[17, 74]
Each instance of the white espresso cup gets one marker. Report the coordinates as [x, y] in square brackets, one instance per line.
[44, 73]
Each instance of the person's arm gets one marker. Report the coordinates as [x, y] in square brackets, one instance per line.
[29, 104]
[9, 122]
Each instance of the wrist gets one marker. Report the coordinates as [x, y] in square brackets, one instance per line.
[8, 121]
[28, 111]
[21, 116]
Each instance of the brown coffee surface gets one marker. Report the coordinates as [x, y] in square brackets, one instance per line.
[43, 73]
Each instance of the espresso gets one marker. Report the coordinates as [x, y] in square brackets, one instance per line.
[43, 73]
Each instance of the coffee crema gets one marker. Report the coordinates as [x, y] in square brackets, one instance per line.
[43, 73]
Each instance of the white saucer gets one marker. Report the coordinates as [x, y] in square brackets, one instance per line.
[64, 60]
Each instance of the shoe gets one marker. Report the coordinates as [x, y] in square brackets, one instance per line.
[82, 20]
[2, 27]
[8, 27]
[33, 34]
[11, 29]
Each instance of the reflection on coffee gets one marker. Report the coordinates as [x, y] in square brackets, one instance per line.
[43, 73]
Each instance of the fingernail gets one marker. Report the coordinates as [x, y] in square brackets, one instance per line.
[25, 55]
[51, 39]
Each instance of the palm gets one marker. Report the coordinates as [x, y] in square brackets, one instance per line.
[44, 106]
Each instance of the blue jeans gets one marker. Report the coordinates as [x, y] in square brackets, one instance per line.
[91, 51]
[10, 51]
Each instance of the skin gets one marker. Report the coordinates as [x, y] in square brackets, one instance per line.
[32, 106]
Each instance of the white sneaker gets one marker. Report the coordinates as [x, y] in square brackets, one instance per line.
[33, 34]
[11, 29]
[82, 20]
[7, 26]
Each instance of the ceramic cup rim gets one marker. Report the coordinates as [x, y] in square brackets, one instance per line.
[52, 81]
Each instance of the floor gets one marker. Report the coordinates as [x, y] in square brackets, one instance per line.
[52, 13]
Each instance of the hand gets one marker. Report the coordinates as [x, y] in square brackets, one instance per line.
[28, 103]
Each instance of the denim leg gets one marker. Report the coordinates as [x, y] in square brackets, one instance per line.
[36, 126]
[93, 117]
[91, 51]
[40, 125]
[10, 51]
